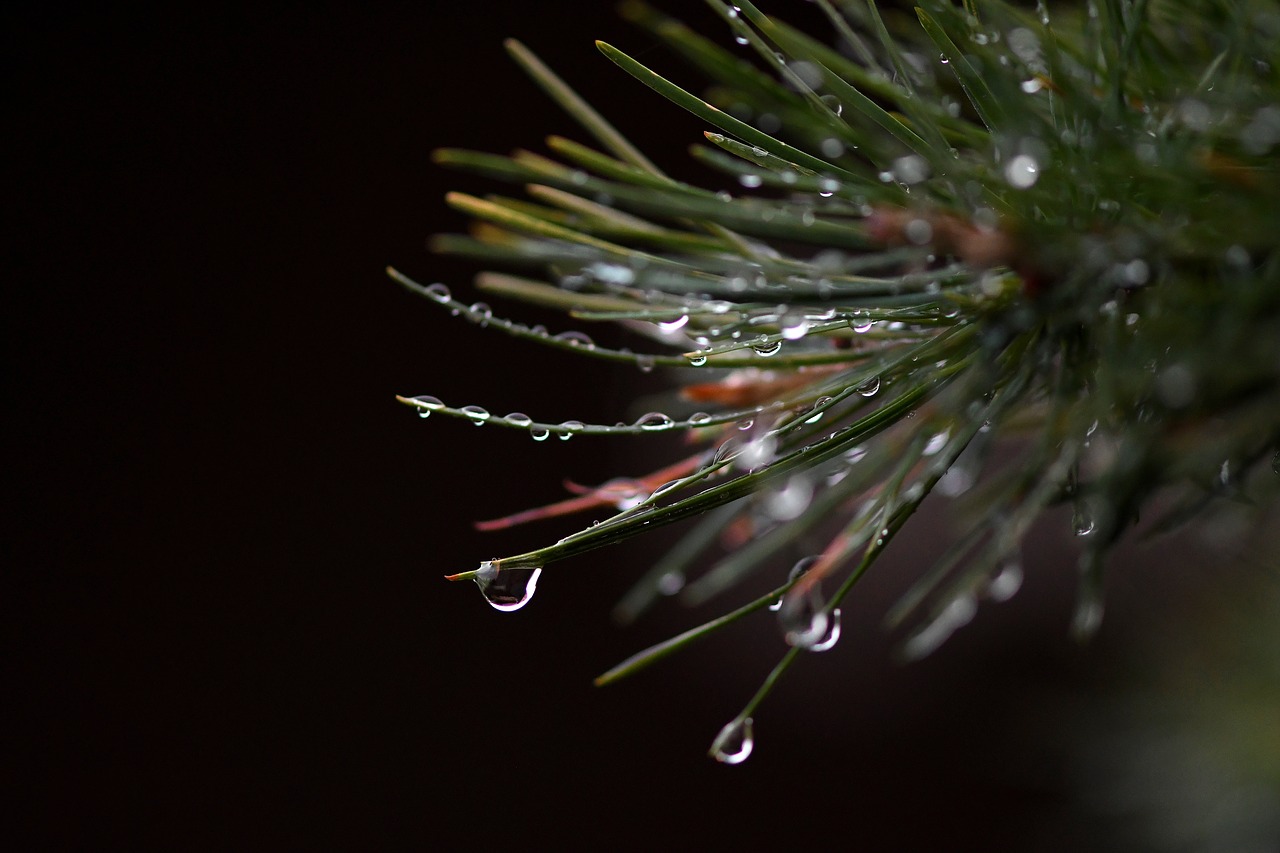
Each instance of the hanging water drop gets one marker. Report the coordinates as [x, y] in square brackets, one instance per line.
[833, 634]
[1082, 522]
[477, 415]
[439, 292]
[569, 429]
[765, 348]
[861, 323]
[958, 612]
[427, 404]
[538, 433]
[480, 313]
[654, 421]
[734, 743]
[795, 326]
[645, 362]
[506, 589]
[870, 387]
[697, 359]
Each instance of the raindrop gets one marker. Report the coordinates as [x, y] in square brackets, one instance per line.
[833, 634]
[746, 424]
[833, 104]
[861, 323]
[936, 443]
[477, 415]
[827, 187]
[1006, 582]
[570, 428]
[765, 348]
[795, 326]
[654, 421]
[1082, 522]
[1022, 171]
[509, 589]
[539, 433]
[520, 419]
[698, 418]
[439, 292]
[734, 743]
[427, 404]
[697, 359]
[741, 39]
[870, 387]
[674, 325]
[480, 313]
[958, 613]
[577, 339]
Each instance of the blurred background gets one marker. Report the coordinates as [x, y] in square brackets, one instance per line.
[231, 627]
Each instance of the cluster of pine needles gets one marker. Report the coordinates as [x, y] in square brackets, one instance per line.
[1052, 230]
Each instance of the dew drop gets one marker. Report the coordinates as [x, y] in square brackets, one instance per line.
[861, 324]
[480, 313]
[870, 387]
[569, 429]
[439, 292]
[698, 418]
[697, 359]
[1006, 582]
[645, 362]
[674, 325]
[1082, 522]
[427, 404]
[577, 339]
[477, 415]
[750, 181]
[765, 348]
[833, 634]
[958, 612]
[520, 419]
[539, 433]
[1022, 171]
[508, 589]
[654, 421]
[795, 326]
[734, 743]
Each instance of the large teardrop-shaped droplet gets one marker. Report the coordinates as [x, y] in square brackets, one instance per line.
[734, 743]
[507, 589]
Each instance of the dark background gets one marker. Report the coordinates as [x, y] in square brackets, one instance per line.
[231, 624]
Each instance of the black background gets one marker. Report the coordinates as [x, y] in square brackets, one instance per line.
[232, 628]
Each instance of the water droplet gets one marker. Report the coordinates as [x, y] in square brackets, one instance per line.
[480, 313]
[833, 104]
[520, 419]
[734, 743]
[507, 589]
[958, 612]
[439, 292]
[765, 348]
[1022, 171]
[645, 362]
[539, 433]
[1031, 86]
[577, 339]
[790, 501]
[755, 453]
[911, 169]
[827, 187]
[833, 634]
[750, 181]
[746, 424]
[1006, 582]
[795, 326]
[741, 39]
[427, 404]
[569, 429]
[870, 387]
[942, 57]
[674, 325]
[698, 418]
[861, 323]
[936, 443]
[1082, 522]
[697, 359]
[477, 415]
[654, 421]
[671, 583]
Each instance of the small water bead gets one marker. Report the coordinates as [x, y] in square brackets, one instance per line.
[818, 410]
[750, 181]
[795, 326]
[519, 419]
[861, 324]
[765, 348]
[697, 359]
[833, 634]
[577, 339]
[507, 589]
[568, 429]
[675, 325]
[870, 387]
[1022, 171]
[734, 743]
[439, 292]
[833, 104]
[911, 169]
[936, 443]
[1006, 582]
[1032, 86]
[698, 418]
[538, 433]
[827, 187]
[654, 421]
[427, 404]
[958, 613]
[477, 415]
[645, 362]
[480, 313]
